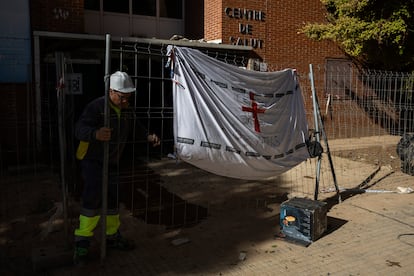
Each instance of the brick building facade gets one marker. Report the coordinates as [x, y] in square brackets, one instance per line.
[272, 29]
[57, 16]
[269, 28]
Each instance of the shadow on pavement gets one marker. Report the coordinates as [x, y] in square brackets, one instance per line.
[142, 193]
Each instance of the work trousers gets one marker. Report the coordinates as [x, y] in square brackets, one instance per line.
[92, 172]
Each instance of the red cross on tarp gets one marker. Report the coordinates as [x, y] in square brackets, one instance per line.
[255, 110]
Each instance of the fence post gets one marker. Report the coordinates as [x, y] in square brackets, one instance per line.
[316, 126]
[60, 78]
[106, 148]
[318, 131]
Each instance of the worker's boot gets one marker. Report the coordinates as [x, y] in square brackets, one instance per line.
[80, 255]
[117, 241]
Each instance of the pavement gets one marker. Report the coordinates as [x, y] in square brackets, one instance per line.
[202, 224]
[369, 233]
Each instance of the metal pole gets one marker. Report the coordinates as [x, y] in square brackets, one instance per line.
[328, 151]
[317, 118]
[316, 124]
[60, 77]
[38, 96]
[106, 148]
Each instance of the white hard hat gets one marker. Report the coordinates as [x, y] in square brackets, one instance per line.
[121, 82]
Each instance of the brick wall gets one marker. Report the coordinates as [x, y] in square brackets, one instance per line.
[213, 14]
[57, 16]
[286, 45]
[253, 28]
[282, 45]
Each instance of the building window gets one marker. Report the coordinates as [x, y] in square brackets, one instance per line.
[92, 5]
[145, 7]
[167, 8]
[119, 6]
[171, 8]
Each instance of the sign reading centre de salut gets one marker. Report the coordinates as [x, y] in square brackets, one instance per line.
[250, 16]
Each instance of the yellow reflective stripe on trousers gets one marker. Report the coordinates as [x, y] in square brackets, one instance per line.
[112, 224]
[86, 226]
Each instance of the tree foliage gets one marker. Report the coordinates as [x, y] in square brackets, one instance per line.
[377, 33]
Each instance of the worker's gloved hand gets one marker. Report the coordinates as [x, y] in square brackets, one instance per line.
[154, 139]
[103, 134]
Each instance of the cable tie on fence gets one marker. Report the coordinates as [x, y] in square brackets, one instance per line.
[61, 83]
[178, 83]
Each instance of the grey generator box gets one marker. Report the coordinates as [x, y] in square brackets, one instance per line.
[303, 220]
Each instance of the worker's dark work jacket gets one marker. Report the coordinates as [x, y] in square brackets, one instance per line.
[90, 121]
[91, 154]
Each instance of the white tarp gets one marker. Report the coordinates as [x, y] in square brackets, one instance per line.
[235, 122]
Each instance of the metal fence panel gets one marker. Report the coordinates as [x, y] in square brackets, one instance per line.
[365, 112]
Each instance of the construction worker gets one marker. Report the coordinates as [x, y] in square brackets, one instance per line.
[92, 133]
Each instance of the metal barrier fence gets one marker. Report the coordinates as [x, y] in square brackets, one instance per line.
[364, 113]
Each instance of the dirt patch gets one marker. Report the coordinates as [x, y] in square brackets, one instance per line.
[375, 155]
